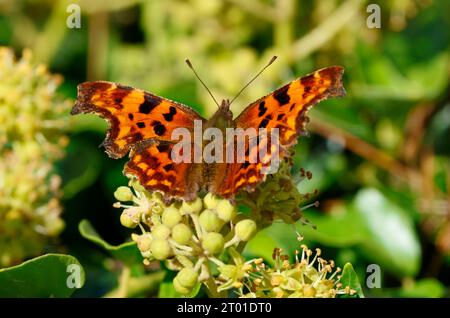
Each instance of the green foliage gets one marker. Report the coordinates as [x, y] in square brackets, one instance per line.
[390, 235]
[427, 287]
[380, 229]
[349, 278]
[126, 252]
[32, 139]
[43, 276]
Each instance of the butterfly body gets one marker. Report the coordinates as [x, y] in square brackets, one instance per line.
[144, 125]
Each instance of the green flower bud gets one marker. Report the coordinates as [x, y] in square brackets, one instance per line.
[123, 194]
[226, 211]
[171, 216]
[192, 207]
[160, 249]
[187, 277]
[179, 288]
[143, 242]
[160, 231]
[127, 221]
[245, 229]
[213, 242]
[209, 221]
[210, 200]
[181, 233]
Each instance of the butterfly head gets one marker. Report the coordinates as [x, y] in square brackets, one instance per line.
[223, 117]
[225, 105]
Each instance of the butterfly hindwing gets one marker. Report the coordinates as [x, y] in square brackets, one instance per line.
[134, 115]
[248, 174]
[152, 163]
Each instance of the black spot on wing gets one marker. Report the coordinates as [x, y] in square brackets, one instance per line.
[163, 148]
[117, 95]
[308, 82]
[281, 95]
[136, 137]
[263, 123]
[141, 125]
[262, 109]
[158, 128]
[168, 167]
[170, 114]
[148, 104]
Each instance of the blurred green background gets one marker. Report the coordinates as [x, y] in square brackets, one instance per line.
[379, 157]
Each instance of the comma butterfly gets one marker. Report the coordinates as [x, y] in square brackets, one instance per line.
[142, 123]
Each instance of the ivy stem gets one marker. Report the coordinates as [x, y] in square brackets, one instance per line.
[211, 288]
[123, 282]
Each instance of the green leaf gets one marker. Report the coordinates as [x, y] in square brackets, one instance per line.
[381, 226]
[79, 174]
[391, 238]
[126, 252]
[424, 288]
[424, 81]
[350, 278]
[428, 287]
[262, 245]
[49, 275]
[341, 228]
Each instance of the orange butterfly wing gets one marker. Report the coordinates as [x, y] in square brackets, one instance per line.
[247, 175]
[152, 163]
[134, 115]
[143, 123]
[285, 109]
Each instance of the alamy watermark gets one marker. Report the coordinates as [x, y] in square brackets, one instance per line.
[373, 279]
[374, 19]
[74, 278]
[73, 21]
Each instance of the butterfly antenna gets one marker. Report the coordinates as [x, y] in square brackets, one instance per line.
[255, 77]
[192, 68]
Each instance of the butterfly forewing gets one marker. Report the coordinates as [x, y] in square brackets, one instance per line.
[286, 107]
[134, 115]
